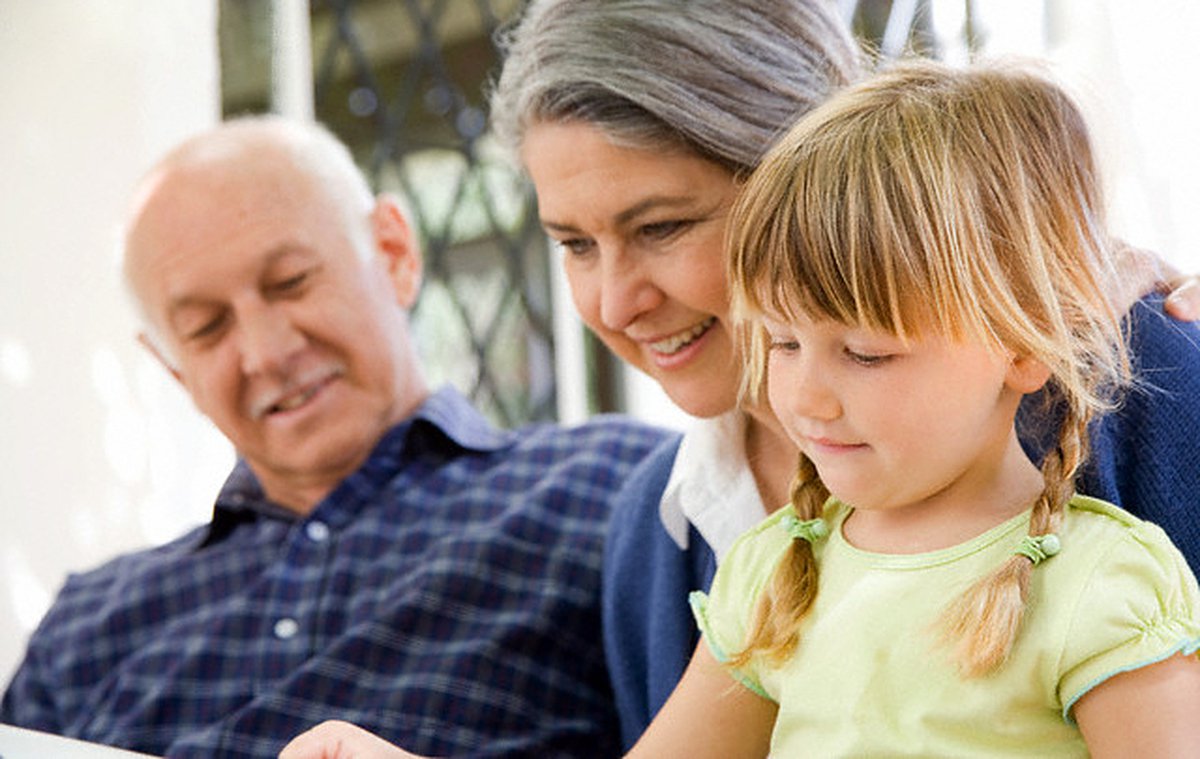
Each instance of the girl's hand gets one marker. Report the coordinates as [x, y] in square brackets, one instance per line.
[341, 740]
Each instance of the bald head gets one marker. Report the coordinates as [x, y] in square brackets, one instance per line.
[275, 288]
[306, 148]
[288, 160]
[276, 153]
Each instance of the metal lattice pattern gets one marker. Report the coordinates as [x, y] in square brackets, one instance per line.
[403, 83]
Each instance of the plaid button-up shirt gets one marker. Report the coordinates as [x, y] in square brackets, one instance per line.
[445, 596]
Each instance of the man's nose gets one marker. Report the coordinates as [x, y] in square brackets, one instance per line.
[268, 339]
[626, 292]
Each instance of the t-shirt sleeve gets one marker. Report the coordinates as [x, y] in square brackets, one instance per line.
[725, 613]
[1140, 606]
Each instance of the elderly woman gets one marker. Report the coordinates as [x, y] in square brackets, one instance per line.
[635, 120]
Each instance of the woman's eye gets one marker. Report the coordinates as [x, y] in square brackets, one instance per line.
[663, 229]
[576, 246]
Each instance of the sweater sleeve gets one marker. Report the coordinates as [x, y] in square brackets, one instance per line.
[649, 636]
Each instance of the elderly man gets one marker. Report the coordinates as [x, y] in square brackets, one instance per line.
[379, 553]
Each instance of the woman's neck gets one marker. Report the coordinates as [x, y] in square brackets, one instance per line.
[771, 455]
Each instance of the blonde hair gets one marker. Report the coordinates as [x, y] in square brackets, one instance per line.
[931, 200]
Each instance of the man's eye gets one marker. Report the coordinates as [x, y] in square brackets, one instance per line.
[206, 330]
[289, 284]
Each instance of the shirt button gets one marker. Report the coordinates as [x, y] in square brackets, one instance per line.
[286, 628]
[318, 532]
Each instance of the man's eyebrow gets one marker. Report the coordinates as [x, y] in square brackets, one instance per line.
[651, 203]
[182, 305]
[277, 253]
[284, 249]
[184, 302]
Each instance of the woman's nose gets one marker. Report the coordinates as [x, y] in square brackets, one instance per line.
[626, 290]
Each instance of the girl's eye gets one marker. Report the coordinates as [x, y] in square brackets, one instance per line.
[867, 359]
[784, 345]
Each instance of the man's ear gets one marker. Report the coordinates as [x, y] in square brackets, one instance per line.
[1026, 374]
[395, 241]
[149, 344]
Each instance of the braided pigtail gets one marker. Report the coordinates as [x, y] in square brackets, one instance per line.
[982, 624]
[793, 586]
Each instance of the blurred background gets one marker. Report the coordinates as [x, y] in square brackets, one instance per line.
[101, 453]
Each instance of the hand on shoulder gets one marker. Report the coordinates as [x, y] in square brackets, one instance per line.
[1146, 271]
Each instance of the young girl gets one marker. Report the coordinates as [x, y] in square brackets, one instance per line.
[911, 260]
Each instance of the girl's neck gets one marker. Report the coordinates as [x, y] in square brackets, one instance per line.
[964, 509]
[771, 455]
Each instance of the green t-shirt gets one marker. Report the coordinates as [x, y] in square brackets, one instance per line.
[869, 677]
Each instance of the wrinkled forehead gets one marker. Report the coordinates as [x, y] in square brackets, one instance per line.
[226, 209]
[219, 182]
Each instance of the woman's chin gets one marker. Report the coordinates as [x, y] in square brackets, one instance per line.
[699, 398]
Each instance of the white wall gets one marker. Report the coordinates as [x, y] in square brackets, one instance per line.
[1132, 66]
[1135, 65]
[100, 452]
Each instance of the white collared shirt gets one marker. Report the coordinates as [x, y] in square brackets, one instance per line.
[711, 485]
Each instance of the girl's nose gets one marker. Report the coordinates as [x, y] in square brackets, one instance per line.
[808, 390]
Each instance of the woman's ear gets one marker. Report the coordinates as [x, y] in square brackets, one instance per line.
[1026, 374]
[395, 241]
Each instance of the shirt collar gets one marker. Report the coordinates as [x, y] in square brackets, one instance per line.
[711, 486]
[448, 411]
[445, 416]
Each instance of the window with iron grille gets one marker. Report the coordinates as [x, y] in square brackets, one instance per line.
[403, 83]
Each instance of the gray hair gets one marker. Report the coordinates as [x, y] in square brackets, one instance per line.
[721, 78]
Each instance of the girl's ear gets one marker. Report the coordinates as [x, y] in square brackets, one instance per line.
[1026, 374]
